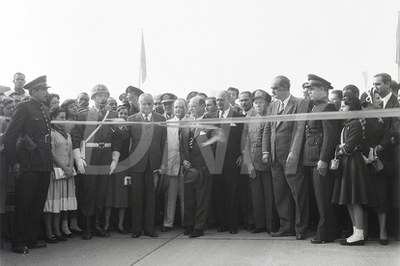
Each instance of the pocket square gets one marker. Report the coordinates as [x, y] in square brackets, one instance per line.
[202, 133]
[233, 124]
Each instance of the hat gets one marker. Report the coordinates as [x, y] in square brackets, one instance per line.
[314, 80]
[97, 89]
[36, 84]
[122, 96]
[157, 98]
[191, 175]
[134, 90]
[168, 98]
[260, 94]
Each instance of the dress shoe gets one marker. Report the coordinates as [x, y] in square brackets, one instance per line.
[166, 229]
[300, 237]
[196, 233]
[98, 231]
[258, 230]
[280, 233]
[61, 238]
[150, 234]
[188, 230]
[320, 241]
[87, 235]
[20, 249]
[136, 234]
[70, 235]
[36, 245]
[222, 229]
[233, 231]
[383, 242]
[355, 243]
[51, 240]
[76, 232]
[250, 228]
[122, 231]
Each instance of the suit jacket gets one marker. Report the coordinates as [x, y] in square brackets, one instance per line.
[198, 156]
[147, 142]
[282, 137]
[231, 149]
[97, 156]
[252, 139]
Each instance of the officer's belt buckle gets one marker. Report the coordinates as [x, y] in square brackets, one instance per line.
[47, 138]
[102, 145]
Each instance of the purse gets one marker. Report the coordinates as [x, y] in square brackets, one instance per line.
[334, 165]
[376, 163]
[60, 174]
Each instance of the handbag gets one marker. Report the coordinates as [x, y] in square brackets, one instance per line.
[60, 174]
[376, 163]
[334, 164]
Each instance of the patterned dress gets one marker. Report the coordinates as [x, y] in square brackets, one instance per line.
[61, 193]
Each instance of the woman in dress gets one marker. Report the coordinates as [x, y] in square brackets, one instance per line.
[61, 193]
[71, 113]
[117, 191]
[353, 188]
[373, 148]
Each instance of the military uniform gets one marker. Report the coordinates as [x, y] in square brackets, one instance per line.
[321, 140]
[96, 149]
[27, 142]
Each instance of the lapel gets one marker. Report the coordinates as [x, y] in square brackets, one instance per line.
[288, 109]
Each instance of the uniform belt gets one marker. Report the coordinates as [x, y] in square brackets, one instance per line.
[46, 139]
[314, 133]
[100, 145]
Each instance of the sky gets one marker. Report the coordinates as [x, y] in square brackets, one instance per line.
[196, 45]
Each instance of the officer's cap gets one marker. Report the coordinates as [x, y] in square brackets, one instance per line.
[260, 94]
[133, 90]
[37, 84]
[314, 80]
[168, 98]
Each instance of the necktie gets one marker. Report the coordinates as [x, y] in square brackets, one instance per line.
[281, 108]
[146, 118]
[191, 137]
[222, 114]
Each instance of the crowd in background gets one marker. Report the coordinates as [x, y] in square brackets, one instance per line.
[324, 179]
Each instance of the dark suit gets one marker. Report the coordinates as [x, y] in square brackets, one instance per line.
[33, 153]
[94, 183]
[321, 140]
[226, 184]
[290, 187]
[197, 195]
[148, 142]
[263, 202]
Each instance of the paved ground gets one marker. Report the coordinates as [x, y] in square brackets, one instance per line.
[173, 248]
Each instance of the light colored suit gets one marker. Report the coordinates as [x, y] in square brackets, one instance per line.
[290, 187]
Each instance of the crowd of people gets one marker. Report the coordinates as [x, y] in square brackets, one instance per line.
[198, 162]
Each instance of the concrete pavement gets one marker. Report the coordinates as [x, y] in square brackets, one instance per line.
[173, 248]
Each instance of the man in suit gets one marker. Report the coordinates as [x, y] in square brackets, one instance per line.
[319, 150]
[194, 154]
[226, 184]
[147, 148]
[31, 163]
[93, 144]
[389, 149]
[282, 149]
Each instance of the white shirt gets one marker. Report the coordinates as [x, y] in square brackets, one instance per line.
[173, 149]
[284, 102]
[148, 116]
[225, 114]
[386, 99]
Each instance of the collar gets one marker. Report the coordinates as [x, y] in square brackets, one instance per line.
[386, 99]
[285, 102]
[148, 116]
[226, 112]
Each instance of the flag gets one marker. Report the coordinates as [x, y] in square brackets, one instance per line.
[365, 76]
[143, 72]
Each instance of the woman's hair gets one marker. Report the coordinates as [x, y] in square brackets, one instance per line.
[50, 97]
[352, 101]
[121, 107]
[65, 104]
[55, 111]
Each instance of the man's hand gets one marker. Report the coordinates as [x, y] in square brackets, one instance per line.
[16, 169]
[187, 164]
[322, 168]
[251, 171]
[113, 165]
[291, 160]
[81, 164]
[239, 161]
[266, 158]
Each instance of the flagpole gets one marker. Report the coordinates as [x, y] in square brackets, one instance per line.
[140, 63]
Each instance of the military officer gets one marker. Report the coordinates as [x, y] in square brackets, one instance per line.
[31, 163]
[132, 95]
[319, 149]
[167, 100]
[94, 143]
